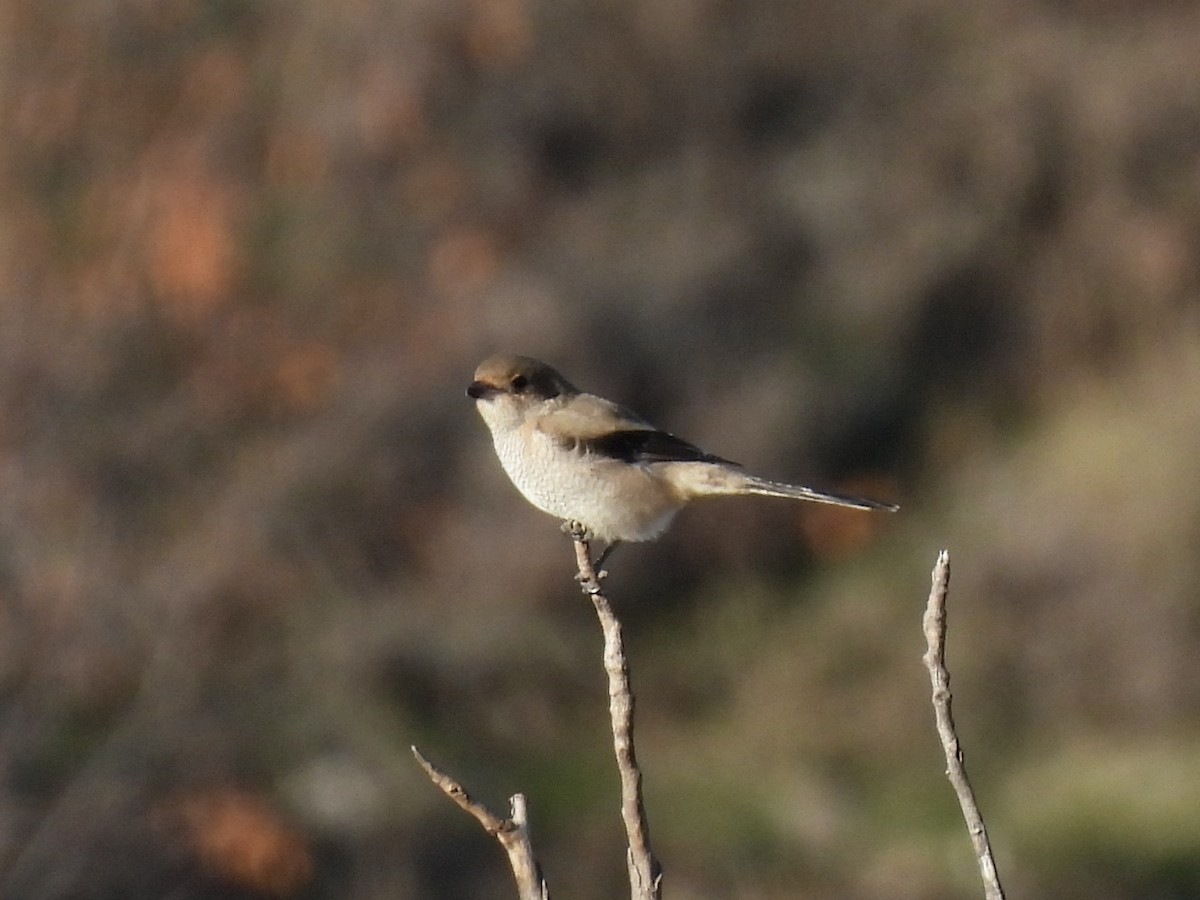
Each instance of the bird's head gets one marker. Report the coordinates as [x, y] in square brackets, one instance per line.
[506, 387]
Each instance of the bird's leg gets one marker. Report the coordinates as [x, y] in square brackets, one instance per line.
[579, 532]
[600, 573]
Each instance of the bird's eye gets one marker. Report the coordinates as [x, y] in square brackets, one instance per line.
[519, 382]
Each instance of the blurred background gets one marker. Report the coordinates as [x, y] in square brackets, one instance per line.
[254, 542]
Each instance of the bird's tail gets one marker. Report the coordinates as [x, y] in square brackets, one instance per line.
[752, 484]
[691, 480]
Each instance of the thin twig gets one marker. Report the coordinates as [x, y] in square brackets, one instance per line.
[512, 833]
[935, 660]
[645, 876]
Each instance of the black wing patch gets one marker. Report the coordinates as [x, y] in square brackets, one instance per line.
[648, 446]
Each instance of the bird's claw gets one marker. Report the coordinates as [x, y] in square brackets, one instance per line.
[576, 530]
[589, 583]
[590, 586]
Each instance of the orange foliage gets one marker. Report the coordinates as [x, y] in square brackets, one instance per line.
[238, 837]
[193, 256]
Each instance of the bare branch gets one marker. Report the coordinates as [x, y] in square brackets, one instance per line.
[645, 876]
[935, 660]
[512, 833]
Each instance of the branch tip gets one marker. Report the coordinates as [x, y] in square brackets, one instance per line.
[934, 626]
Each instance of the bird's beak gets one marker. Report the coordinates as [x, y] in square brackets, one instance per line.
[478, 390]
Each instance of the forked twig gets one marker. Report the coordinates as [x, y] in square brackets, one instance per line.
[512, 833]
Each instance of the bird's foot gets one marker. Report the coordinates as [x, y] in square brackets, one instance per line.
[590, 587]
[590, 582]
[598, 575]
[577, 530]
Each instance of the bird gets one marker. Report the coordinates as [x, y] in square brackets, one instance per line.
[599, 466]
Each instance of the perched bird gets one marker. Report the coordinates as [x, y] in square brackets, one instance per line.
[593, 463]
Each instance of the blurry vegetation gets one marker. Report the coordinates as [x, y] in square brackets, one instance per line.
[253, 542]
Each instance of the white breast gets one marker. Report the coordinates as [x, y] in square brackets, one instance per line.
[613, 499]
[540, 469]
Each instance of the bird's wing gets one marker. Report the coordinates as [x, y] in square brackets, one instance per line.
[648, 446]
[603, 428]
